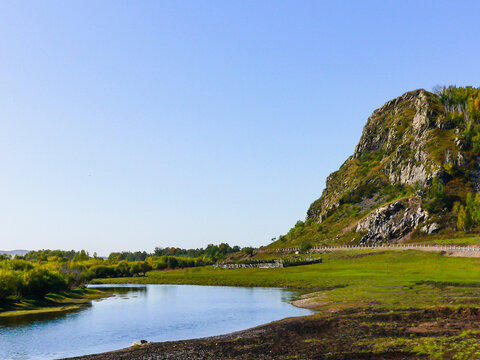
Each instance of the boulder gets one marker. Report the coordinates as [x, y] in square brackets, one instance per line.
[139, 343]
[434, 227]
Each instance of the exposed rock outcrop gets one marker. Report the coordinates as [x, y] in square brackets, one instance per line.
[430, 229]
[392, 221]
[405, 158]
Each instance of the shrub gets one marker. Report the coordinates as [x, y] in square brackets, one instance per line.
[172, 262]
[20, 265]
[160, 265]
[248, 250]
[74, 275]
[103, 271]
[140, 267]
[305, 246]
[476, 144]
[434, 201]
[39, 281]
[9, 283]
[122, 268]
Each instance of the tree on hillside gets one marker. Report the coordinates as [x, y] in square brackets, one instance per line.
[248, 250]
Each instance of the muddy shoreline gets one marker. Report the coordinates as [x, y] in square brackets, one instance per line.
[346, 335]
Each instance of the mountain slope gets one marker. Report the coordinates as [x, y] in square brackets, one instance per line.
[414, 172]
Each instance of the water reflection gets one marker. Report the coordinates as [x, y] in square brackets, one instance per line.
[124, 292]
[120, 289]
[31, 319]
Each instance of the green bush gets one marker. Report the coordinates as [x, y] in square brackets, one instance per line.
[248, 250]
[305, 246]
[122, 268]
[468, 214]
[103, 271]
[172, 262]
[38, 282]
[476, 144]
[19, 265]
[9, 283]
[434, 199]
[75, 275]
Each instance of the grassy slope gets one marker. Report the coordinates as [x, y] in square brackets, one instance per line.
[65, 301]
[392, 280]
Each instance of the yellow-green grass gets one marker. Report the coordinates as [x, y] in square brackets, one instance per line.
[390, 279]
[56, 302]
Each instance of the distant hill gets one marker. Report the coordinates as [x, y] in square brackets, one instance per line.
[414, 173]
[13, 253]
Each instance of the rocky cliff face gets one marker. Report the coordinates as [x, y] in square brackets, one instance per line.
[400, 129]
[415, 158]
[396, 137]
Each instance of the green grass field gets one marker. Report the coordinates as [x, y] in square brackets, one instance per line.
[388, 280]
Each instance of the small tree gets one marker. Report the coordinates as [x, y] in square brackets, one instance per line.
[8, 284]
[248, 250]
[434, 200]
[135, 268]
[305, 246]
[172, 262]
[299, 228]
[476, 211]
[145, 266]
[468, 215]
[464, 221]
[123, 268]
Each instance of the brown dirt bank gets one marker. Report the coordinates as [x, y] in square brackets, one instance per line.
[348, 335]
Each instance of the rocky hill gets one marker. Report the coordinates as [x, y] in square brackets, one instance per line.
[13, 253]
[415, 172]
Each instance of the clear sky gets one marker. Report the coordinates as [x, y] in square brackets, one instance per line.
[126, 125]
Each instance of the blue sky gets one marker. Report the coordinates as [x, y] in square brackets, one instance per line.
[126, 125]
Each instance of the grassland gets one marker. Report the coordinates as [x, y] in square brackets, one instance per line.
[57, 302]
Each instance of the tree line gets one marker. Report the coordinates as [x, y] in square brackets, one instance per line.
[212, 252]
[40, 272]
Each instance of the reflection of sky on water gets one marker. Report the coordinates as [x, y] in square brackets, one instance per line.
[151, 312]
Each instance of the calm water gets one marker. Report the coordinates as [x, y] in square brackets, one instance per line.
[150, 312]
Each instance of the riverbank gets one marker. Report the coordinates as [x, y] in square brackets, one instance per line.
[414, 334]
[58, 302]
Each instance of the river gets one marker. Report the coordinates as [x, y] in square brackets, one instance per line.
[150, 312]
